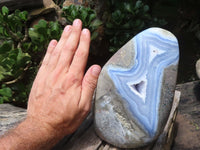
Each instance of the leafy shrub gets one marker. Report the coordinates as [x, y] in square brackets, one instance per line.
[23, 47]
[43, 32]
[12, 26]
[126, 19]
[87, 16]
[21, 51]
[13, 60]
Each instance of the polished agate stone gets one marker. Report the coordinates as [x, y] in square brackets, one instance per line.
[135, 90]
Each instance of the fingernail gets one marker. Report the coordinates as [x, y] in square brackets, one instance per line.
[85, 31]
[77, 22]
[96, 71]
[53, 43]
[67, 28]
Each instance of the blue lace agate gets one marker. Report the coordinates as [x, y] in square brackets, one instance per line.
[141, 84]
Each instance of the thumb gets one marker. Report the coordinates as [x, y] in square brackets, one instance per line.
[88, 86]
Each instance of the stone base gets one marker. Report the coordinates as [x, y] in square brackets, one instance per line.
[188, 117]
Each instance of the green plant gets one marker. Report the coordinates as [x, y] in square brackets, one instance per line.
[23, 47]
[42, 33]
[6, 94]
[13, 60]
[126, 19]
[86, 14]
[21, 51]
[12, 26]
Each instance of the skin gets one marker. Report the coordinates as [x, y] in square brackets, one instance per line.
[61, 94]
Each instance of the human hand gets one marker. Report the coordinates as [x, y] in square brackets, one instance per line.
[61, 94]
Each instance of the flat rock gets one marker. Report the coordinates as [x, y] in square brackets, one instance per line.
[188, 117]
[10, 116]
[48, 6]
[135, 90]
[73, 2]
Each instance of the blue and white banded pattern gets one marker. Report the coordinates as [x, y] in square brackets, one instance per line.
[140, 85]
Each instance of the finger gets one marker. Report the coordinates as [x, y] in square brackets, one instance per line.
[45, 61]
[56, 52]
[88, 86]
[80, 58]
[70, 46]
[50, 49]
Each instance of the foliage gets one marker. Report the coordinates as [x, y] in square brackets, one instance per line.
[13, 60]
[190, 15]
[23, 47]
[42, 33]
[21, 51]
[86, 14]
[125, 19]
[6, 94]
[11, 26]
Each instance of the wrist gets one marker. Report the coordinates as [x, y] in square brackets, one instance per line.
[34, 125]
[43, 134]
[31, 134]
[44, 128]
